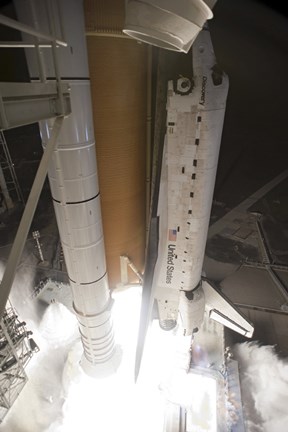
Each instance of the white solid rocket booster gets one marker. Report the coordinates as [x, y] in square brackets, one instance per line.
[73, 178]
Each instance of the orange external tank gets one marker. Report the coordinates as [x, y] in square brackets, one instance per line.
[118, 73]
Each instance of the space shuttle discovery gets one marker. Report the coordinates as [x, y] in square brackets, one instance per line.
[182, 204]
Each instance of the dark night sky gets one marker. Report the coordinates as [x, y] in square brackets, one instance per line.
[250, 40]
[251, 45]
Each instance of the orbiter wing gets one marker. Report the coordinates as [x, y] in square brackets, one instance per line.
[220, 309]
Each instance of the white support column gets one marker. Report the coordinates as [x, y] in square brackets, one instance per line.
[4, 190]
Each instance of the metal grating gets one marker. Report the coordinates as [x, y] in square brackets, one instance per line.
[16, 349]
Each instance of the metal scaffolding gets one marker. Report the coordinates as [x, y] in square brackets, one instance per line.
[16, 349]
[8, 180]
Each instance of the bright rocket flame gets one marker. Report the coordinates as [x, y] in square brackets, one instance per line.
[196, 393]
[201, 413]
[167, 355]
[116, 402]
[108, 404]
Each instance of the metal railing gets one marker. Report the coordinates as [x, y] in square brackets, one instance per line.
[41, 40]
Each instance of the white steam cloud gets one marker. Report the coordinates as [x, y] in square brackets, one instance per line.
[41, 400]
[264, 387]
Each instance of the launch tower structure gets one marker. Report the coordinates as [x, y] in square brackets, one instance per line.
[16, 350]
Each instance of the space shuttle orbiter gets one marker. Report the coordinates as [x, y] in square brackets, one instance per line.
[182, 204]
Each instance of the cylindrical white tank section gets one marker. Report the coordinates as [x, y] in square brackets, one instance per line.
[76, 198]
[168, 24]
[74, 184]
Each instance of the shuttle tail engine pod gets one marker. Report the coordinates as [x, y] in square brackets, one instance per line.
[74, 185]
[169, 24]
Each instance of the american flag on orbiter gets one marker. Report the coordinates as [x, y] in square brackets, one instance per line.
[172, 235]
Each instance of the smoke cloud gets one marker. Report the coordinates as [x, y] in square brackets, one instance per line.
[42, 398]
[264, 387]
